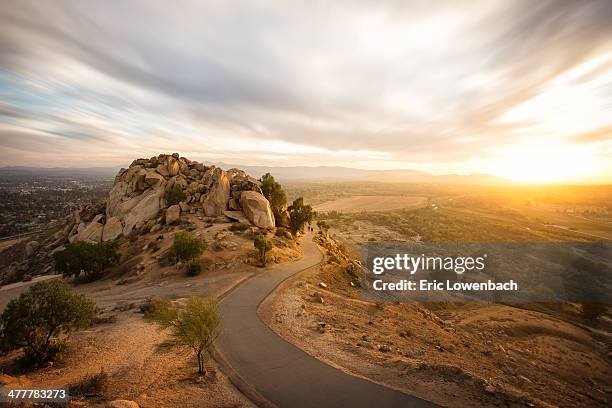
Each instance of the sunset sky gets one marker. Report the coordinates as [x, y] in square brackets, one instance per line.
[519, 89]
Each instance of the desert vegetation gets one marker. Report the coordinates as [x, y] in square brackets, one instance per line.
[195, 327]
[185, 247]
[41, 319]
[89, 259]
[263, 246]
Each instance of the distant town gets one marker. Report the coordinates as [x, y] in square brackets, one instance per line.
[31, 203]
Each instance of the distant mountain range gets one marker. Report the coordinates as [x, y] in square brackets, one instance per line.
[316, 173]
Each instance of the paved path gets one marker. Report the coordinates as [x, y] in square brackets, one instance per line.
[278, 370]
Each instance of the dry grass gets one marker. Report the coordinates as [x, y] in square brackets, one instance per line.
[372, 203]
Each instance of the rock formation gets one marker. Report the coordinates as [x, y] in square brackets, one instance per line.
[138, 198]
[257, 209]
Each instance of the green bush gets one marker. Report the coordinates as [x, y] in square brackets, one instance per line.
[300, 214]
[263, 245]
[274, 193]
[193, 268]
[185, 247]
[84, 257]
[195, 327]
[41, 319]
[174, 195]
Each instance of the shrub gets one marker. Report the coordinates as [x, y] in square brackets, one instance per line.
[84, 257]
[299, 214]
[41, 319]
[195, 327]
[193, 268]
[185, 247]
[174, 195]
[152, 306]
[263, 245]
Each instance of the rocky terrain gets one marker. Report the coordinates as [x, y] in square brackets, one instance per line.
[139, 202]
[148, 204]
[473, 354]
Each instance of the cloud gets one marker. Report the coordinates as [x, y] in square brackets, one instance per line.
[382, 82]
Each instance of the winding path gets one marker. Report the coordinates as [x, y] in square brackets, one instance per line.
[281, 373]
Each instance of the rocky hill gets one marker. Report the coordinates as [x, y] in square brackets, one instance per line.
[148, 195]
[138, 198]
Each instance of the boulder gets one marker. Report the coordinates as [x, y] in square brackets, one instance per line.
[146, 207]
[115, 198]
[173, 166]
[184, 206]
[162, 169]
[31, 247]
[91, 233]
[112, 229]
[283, 219]
[173, 214]
[236, 216]
[215, 200]
[152, 178]
[233, 205]
[257, 209]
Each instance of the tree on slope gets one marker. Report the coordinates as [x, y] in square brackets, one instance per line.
[195, 327]
[300, 214]
[274, 193]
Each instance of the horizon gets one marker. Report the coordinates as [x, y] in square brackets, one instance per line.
[503, 181]
[505, 89]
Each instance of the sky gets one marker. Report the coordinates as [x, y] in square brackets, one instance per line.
[518, 89]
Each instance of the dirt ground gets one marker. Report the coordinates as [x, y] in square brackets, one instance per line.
[454, 355]
[371, 203]
[126, 348]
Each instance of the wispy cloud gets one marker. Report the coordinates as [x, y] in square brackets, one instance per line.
[444, 88]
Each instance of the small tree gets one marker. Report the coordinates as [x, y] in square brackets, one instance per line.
[274, 192]
[185, 247]
[88, 258]
[300, 214]
[174, 195]
[263, 245]
[41, 319]
[196, 327]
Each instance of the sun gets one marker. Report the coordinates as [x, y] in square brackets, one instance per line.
[544, 164]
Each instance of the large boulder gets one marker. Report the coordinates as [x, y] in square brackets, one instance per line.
[173, 166]
[257, 209]
[153, 178]
[115, 198]
[92, 232]
[218, 193]
[145, 207]
[173, 214]
[112, 229]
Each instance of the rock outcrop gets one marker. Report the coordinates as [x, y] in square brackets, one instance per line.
[139, 193]
[257, 209]
[112, 229]
[173, 214]
[215, 201]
